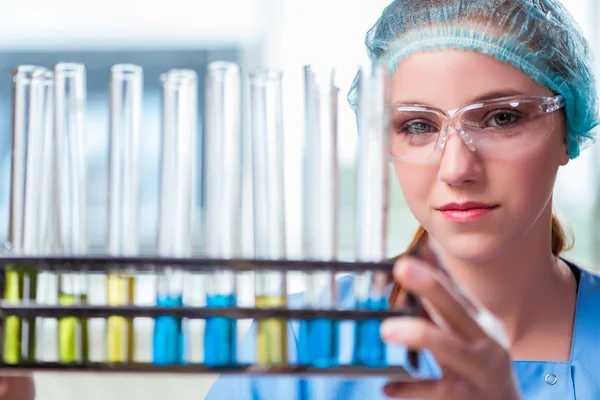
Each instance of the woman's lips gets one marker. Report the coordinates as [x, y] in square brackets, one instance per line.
[466, 211]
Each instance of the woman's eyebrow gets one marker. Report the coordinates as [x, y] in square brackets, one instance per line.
[495, 94]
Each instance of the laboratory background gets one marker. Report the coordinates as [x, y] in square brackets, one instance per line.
[285, 34]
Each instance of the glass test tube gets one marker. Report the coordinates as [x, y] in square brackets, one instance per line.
[30, 95]
[126, 87]
[371, 211]
[269, 217]
[69, 159]
[223, 155]
[318, 344]
[178, 188]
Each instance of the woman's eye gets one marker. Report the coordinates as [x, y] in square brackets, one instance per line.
[418, 128]
[502, 119]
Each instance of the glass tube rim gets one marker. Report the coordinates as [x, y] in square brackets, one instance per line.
[222, 68]
[178, 77]
[43, 76]
[126, 71]
[69, 69]
[265, 75]
[24, 73]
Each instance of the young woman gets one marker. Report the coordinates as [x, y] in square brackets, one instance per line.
[490, 99]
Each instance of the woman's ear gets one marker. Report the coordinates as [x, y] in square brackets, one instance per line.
[564, 155]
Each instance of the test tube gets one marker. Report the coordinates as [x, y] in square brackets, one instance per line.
[371, 211]
[70, 176]
[318, 345]
[223, 157]
[125, 84]
[269, 217]
[178, 187]
[30, 104]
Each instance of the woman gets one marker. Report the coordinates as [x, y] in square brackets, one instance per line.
[490, 98]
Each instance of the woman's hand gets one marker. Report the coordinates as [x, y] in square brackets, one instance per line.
[17, 388]
[474, 365]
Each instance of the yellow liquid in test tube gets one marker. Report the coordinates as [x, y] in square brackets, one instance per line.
[120, 291]
[12, 324]
[19, 333]
[272, 333]
[72, 332]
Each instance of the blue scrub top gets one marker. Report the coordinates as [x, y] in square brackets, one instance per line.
[578, 378]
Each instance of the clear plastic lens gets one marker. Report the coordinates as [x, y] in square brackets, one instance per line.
[494, 129]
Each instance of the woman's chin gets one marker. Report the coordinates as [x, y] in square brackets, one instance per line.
[471, 247]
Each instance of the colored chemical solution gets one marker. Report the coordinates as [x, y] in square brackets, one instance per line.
[73, 345]
[271, 343]
[119, 330]
[168, 341]
[19, 333]
[220, 334]
[318, 343]
[369, 348]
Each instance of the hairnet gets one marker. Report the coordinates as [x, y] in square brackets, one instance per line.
[539, 37]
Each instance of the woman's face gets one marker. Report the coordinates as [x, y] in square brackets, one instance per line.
[512, 193]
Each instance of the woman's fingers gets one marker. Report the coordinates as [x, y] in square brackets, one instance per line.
[438, 293]
[451, 352]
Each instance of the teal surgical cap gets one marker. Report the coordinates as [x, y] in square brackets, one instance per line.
[539, 37]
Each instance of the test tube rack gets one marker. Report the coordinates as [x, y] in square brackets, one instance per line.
[142, 265]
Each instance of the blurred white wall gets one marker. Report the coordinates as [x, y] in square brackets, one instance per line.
[60, 24]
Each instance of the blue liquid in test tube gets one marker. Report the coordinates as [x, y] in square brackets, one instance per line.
[168, 341]
[371, 211]
[369, 348]
[220, 334]
[223, 204]
[179, 89]
[318, 343]
[318, 338]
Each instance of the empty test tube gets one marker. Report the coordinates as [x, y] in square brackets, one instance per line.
[317, 342]
[371, 211]
[31, 89]
[70, 204]
[269, 218]
[222, 190]
[177, 200]
[126, 88]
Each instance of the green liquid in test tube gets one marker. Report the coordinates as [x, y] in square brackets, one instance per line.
[19, 336]
[70, 205]
[31, 96]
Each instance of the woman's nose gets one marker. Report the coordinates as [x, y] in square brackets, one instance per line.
[460, 164]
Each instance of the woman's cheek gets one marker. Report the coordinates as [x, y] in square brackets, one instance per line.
[416, 183]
